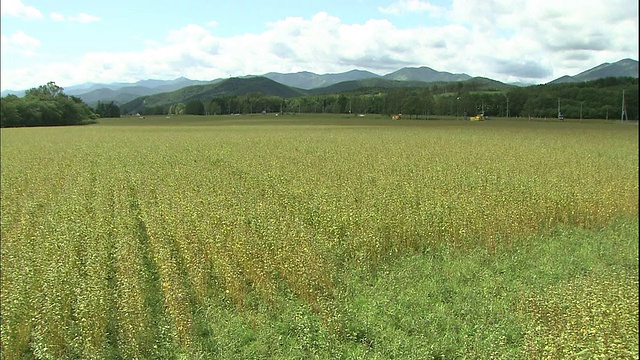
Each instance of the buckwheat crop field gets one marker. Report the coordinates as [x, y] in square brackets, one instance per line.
[320, 237]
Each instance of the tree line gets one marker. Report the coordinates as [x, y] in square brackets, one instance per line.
[47, 105]
[597, 99]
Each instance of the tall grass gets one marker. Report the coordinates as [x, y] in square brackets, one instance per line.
[117, 237]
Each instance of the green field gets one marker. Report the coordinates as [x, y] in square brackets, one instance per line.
[301, 236]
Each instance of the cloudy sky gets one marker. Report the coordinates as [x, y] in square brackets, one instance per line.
[533, 41]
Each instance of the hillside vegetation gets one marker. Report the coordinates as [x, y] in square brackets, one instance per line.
[46, 105]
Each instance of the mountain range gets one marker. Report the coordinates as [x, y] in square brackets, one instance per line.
[622, 68]
[301, 83]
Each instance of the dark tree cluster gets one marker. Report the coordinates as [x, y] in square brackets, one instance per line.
[597, 99]
[194, 107]
[109, 110]
[46, 105]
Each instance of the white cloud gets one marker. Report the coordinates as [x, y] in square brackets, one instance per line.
[212, 23]
[19, 40]
[15, 46]
[16, 8]
[84, 18]
[81, 17]
[507, 40]
[411, 6]
[551, 31]
[57, 17]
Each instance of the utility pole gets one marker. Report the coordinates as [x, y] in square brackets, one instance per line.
[560, 117]
[507, 106]
[624, 112]
[580, 110]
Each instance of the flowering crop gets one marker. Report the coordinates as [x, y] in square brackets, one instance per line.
[114, 237]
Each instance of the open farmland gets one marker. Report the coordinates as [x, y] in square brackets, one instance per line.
[328, 237]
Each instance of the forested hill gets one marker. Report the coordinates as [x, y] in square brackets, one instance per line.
[229, 87]
[308, 80]
[622, 68]
[366, 84]
[383, 85]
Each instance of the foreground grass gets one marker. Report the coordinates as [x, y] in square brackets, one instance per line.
[570, 292]
[509, 304]
[213, 237]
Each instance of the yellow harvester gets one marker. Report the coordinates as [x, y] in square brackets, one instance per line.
[479, 117]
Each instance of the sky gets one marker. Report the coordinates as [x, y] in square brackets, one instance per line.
[72, 42]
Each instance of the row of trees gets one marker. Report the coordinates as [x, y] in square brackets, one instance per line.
[254, 102]
[258, 103]
[46, 105]
[595, 99]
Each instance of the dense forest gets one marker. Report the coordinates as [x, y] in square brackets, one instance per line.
[597, 99]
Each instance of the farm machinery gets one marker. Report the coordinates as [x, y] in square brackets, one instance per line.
[478, 117]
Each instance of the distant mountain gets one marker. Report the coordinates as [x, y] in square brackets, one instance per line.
[296, 84]
[369, 83]
[479, 83]
[521, 83]
[18, 93]
[564, 79]
[222, 88]
[379, 84]
[308, 80]
[121, 93]
[160, 86]
[236, 87]
[152, 86]
[86, 87]
[322, 83]
[118, 97]
[622, 68]
[425, 74]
